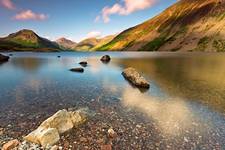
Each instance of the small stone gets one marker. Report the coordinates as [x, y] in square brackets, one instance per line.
[1, 131]
[100, 141]
[112, 133]
[77, 70]
[185, 139]
[138, 126]
[105, 58]
[11, 145]
[3, 58]
[55, 147]
[83, 63]
[106, 147]
[82, 139]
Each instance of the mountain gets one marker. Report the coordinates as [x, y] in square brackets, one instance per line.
[92, 44]
[27, 40]
[188, 25]
[86, 44]
[103, 41]
[65, 43]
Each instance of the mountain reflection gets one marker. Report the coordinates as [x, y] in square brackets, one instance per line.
[28, 64]
[191, 77]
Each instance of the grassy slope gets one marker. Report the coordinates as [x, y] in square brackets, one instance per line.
[26, 40]
[93, 44]
[180, 27]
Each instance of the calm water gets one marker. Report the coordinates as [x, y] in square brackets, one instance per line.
[184, 108]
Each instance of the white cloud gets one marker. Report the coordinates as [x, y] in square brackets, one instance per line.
[94, 34]
[7, 4]
[29, 15]
[128, 7]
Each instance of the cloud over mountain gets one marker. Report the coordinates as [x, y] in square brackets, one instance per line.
[30, 15]
[127, 7]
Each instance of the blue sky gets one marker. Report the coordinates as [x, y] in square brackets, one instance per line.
[76, 19]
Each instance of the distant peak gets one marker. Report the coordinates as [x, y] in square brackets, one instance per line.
[24, 32]
[63, 39]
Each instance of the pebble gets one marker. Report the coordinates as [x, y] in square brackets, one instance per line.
[54, 147]
[11, 145]
[112, 133]
[106, 147]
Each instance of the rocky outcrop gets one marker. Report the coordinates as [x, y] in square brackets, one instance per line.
[48, 133]
[3, 58]
[77, 70]
[135, 78]
[105, 58]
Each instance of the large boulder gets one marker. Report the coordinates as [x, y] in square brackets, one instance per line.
[49, 136]
[48, 133]
[105, 58]
[135, 78]
[3, 58]
[60, 121]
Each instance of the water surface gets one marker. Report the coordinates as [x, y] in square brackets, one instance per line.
[183, 109]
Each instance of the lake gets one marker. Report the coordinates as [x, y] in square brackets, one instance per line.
[183, 109]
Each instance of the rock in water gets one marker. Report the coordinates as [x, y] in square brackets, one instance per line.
[10, 145]
[105, 58]
[83, 63]
[77, 70]
[49, 131]
[3, 58]
[135, 78]
[112, 133]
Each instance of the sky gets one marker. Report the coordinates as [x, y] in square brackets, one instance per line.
[76, 19]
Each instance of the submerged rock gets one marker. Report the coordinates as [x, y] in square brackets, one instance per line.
[135, 78]
[3, 58]
[77, 70]
[11, 145]
[48, 133]
[105, 58]
[106, 147]
[83, 63]
[112, 133]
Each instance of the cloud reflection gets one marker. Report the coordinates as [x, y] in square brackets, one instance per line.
[171, 115]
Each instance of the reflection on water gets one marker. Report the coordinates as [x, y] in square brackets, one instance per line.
[198, 77]
[186, 100]
[172, 115]
[28, 64]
